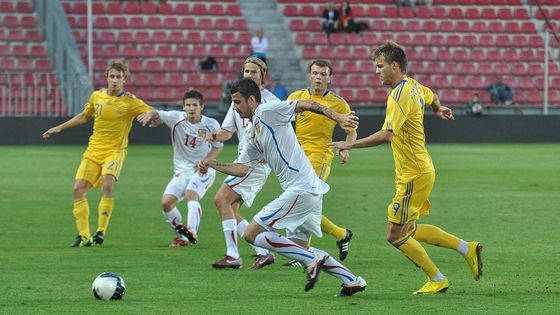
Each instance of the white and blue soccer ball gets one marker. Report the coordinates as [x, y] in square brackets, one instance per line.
[108, 286]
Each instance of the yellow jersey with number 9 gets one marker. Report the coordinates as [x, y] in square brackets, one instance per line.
[405, 118]
[113, 116]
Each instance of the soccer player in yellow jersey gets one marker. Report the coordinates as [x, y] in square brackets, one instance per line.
[415, 174]
[315, 132]
[113, 111]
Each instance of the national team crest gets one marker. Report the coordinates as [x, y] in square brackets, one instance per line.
[201, 133]
[257, 128]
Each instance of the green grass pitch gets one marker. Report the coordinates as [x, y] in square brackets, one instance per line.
[505, 196]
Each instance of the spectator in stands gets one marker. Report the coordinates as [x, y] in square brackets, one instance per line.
[500, 93]
[330, 19]
[346, 18]
[279, 89]
[474, 106]
[259, 44]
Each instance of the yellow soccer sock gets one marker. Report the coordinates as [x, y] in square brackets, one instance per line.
[329, 227]
[412, 249]
[81, 213]
[105, 209]
[433, 235]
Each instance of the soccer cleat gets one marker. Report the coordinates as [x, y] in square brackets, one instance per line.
[178, 242]
[186, 232]
[293, 263]
[356, 286]
[228, 262]
[81, 241]
[474, 259]
[433, 287]
[313, 271]
[99, 238]
[343, 245]
[263, 260]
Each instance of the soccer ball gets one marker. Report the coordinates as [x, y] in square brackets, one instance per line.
[108, 286]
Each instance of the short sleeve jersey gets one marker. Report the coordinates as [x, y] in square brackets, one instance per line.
[405, 118]
[315, 131]
[188, 139]
[113, 116]
[272, 139]
[234, 123]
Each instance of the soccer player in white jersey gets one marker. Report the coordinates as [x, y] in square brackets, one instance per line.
[188, 136]
[239, 190]
[272, 140]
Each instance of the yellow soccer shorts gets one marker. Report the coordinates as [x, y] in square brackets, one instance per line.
[95, 165]
[411, 199]
[321, 163]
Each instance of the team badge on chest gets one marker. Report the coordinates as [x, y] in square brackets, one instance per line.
[201, 133]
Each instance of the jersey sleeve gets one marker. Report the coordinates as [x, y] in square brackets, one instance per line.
[170, 118]
[278, 113]
[395, 116]
[89, 109]
[428, 95]
[229, 121]
[215, 128]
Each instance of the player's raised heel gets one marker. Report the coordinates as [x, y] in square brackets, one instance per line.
[262, 261]
[188, 233]
[343, 245]
[313, 271]
[99, 238]
[474, 259]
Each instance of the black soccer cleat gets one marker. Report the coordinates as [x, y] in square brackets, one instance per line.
[99, 238]
[81, 241]
[188, 233]
[343, 245]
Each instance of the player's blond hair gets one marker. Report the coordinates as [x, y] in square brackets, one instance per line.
[261, 64]
[119, 65]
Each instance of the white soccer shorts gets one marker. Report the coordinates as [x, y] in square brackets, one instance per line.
[249, 185]
[190, 181]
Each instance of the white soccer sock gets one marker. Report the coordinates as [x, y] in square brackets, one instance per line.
[174, 218]
[241, 226]
[463, 248]
[231, 238]
[438, 277]
[284, 247]
[334, 268]
[194, 214]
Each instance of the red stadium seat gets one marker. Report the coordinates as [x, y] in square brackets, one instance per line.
[180, 9]
[291, 10]
[199, 9]
[354, 39]
[233, 9]
[239, 24]
[7, 7]
[475, 82]
[20, 51]
[166, 52]
[337, 39]
[423, 12]
[421, 40]
[222, 24]
[194, 37]
[174, 37]
[455, 13]
[159, 79]
[518, 69]
[380, 26]
[404, 39]
[114, 7]
[374, 12]
[314, 25]
[131, 7]
[439, 12]
[152, 66]
[171, 23]
[535, 97]
[307, 11]
[188, 23]
[446, 26]
[486, 41]
[148, 7]
[528, 27]
[504, 14]
[520, 14]
[469, 69]
[488, 13]
[390, 12]
[397, 26]
[154, 22]
[509, 56]
[429, 27]
[297, 25]
[501, 68]
[361, 53]
[503, 41]
[454, 40]
[462, 27]
[496, 27]
[370, 39]
[536, 41]
[229, 38]
[478, 55]
[472, 14]
[216, 9]
[211, 38]
[444, 55]
[320, 39]
[406, 12]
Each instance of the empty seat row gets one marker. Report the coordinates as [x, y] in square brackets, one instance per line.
[168, 37]
[20, 35]
[190, 65]
[17, 21]
[152, 7]
[180, 79]
[173, 95]
[25, 64]
[16, 7]
[27, 79]
[155, 22]
[24, 50]
[184, 51]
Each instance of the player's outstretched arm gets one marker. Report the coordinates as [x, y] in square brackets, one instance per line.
[222, 136]
[234, 169]
[441, 111]
[346, 121]
[380, 137]
[149, 118]
[77, 120]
